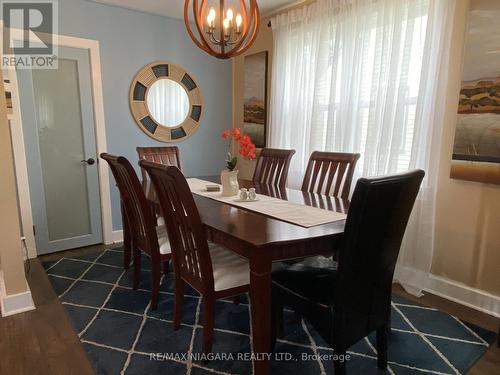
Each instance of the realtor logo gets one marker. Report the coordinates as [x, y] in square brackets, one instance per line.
[30, 28]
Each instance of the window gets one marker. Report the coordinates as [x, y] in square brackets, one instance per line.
[349, 80]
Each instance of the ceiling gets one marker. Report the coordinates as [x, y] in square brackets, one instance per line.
[175, 8]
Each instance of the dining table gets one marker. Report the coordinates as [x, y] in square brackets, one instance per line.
[263, 240]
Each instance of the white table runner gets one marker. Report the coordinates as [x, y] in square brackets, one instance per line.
[294, 213]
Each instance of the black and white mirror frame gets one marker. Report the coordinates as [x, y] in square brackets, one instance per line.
[144, 80]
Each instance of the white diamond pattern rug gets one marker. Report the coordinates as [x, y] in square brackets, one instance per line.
[122, 335]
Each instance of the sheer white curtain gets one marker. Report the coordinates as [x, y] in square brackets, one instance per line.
[366, 76]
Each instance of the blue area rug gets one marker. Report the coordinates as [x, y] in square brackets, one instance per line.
[120, 333]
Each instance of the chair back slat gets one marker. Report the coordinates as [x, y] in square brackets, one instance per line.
[335, 168]
[190, 251]
[315, 173]
[324, 171]
[323, 168]
[332, 172]
[167, 155]
[378, 214]
[340, 179]
[137, 208]
[272, 167]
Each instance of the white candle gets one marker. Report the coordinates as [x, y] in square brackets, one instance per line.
[239, 21]
[211, 17]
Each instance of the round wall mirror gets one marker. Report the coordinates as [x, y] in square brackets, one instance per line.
[168, 102]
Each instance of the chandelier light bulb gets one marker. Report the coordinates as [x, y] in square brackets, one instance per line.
[211, 19]
[211, 13]
[230, 14]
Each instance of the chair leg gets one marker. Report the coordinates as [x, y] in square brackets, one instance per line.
[339, 366]
[127, 242]
[276, 322]
[498, 337]
[166, 264]
[127, 248]
[382, 338]
[137, 267]
[178, 302]
[208, 323]
[155, 287]
[236, 300]
[127, 254]
[389, 325]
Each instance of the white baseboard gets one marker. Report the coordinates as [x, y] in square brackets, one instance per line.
[117, 236]
[415, 280]
[464, 294]
[14, 303]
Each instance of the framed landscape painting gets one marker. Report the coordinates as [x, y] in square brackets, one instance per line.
[255, 98]
[476, 151]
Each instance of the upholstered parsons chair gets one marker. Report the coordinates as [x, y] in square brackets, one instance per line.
[347, 303]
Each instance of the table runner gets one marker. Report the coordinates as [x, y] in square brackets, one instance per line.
[305, 216]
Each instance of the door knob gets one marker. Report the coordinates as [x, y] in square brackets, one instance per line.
[89, 161]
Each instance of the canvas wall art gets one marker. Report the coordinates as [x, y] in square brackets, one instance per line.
[476, 151]
[255, 98]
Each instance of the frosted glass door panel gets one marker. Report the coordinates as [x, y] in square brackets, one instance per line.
[62, 150]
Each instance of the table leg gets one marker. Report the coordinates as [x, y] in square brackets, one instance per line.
[127, 240]
[260, 300]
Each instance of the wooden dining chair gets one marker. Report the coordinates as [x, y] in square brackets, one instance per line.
[344, 304]
[167, 155]
[272, 167]
[215, 272]
[145, 235]
[330, 173]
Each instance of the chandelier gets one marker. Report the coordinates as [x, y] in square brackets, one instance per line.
[223, 31]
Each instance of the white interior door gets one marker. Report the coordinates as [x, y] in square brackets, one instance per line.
[59, 134]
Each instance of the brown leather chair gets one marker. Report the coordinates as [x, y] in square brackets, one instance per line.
[145, 235]
[215, 272]
[347, 303]
[272, 167]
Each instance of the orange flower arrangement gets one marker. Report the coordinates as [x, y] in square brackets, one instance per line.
[246, 147]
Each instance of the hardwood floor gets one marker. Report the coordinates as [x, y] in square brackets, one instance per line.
[43, 341]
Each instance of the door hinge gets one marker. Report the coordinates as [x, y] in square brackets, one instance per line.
[34, 231]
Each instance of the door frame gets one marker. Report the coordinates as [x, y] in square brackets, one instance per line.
[92, 46]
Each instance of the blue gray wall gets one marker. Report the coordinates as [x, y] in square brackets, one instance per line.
[129, 40]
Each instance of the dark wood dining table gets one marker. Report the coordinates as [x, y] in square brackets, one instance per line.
[264, 240]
